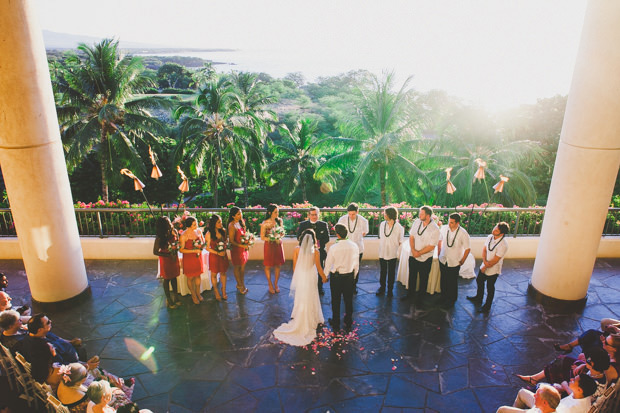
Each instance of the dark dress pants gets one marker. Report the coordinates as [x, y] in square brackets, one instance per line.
[423, 268]
[357, 276]
[490, 281]
[449, 283]
[342, 287]
[388, 271]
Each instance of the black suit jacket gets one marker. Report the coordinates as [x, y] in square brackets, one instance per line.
[320, 228]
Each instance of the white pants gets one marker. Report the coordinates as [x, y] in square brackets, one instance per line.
[523, 402]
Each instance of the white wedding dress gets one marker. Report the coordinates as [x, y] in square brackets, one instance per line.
[307, 313]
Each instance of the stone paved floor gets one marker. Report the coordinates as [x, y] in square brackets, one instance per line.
[222, 356]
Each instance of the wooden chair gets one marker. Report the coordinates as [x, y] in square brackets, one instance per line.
[26, 382]
[9, 367]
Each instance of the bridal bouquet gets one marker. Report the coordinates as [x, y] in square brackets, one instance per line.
[174, 246]
[198, 245]
[276, 234]
[220, 246]
[248, 239]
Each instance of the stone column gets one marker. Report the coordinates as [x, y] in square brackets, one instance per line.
[587, 163]
[33, 163]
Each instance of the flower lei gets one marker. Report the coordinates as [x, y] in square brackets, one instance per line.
[64, 371]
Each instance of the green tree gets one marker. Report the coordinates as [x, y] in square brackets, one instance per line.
[460, 152]
[207, 131]
[253, 129]
[100, 110]
[173, 75]
[380, 144]
[296, 157]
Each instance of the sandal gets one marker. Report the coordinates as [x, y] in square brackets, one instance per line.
[528, 379]
[558, 347]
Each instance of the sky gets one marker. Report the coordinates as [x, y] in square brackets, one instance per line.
[495, 53]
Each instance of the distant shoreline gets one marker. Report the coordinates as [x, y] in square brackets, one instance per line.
[151, 51]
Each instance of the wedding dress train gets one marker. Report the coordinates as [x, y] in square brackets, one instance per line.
[307, 313]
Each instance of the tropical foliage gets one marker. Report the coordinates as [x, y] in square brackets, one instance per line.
[251, 138]
[101, 110]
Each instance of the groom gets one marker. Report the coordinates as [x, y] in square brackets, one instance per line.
[342, 265]
[322, 235]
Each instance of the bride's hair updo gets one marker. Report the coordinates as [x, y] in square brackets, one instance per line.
[310, 232]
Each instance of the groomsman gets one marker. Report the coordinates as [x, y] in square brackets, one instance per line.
[423, 237]
[342, 265]
[453, 251]
[322, 235]
[357, 228]
[493, 254]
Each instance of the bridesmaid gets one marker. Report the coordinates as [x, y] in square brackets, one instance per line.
[218, 261]
[192, 257]
[273, 255]
[169, 268]
[238, 252]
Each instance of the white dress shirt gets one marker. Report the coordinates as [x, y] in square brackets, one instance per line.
[459, 241]
[343, 257]
[429, 236]
[499, 248]
[571, 405]
[355, 229]
[389, 244]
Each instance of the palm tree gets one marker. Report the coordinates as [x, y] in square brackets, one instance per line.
[380, 144]
[207, 128]
[253, 132]
[100, 109]
[501, 157]
[296, 157]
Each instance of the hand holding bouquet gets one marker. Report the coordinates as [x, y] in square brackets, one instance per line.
[248, 239]
[276, 234]
[198, 245]
[220, 247]
[174, 247]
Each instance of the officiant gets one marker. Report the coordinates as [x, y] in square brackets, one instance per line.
[322, 235]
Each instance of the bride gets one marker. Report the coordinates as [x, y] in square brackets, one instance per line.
[307, 313]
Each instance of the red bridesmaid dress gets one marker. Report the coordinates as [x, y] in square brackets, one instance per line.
[192, 262]
[238, 255]
[217, 263]
[273, 253]
[169, 267]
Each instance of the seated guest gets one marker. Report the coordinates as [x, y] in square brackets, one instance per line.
[611, 344]
[11, 326]
[564, 368]
[71, 390]
[580, 391]
[100, 394]
[545, 400]
[39, 327]
[591, 337]
[42, 366]
[6, 304]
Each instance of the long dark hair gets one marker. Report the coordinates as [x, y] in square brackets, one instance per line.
[212, 222]
[164, 229]
[270, 209]
[41, 360]
[234, 211]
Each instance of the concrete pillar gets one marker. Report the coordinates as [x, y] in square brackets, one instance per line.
[586, 165]
[33, 163]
